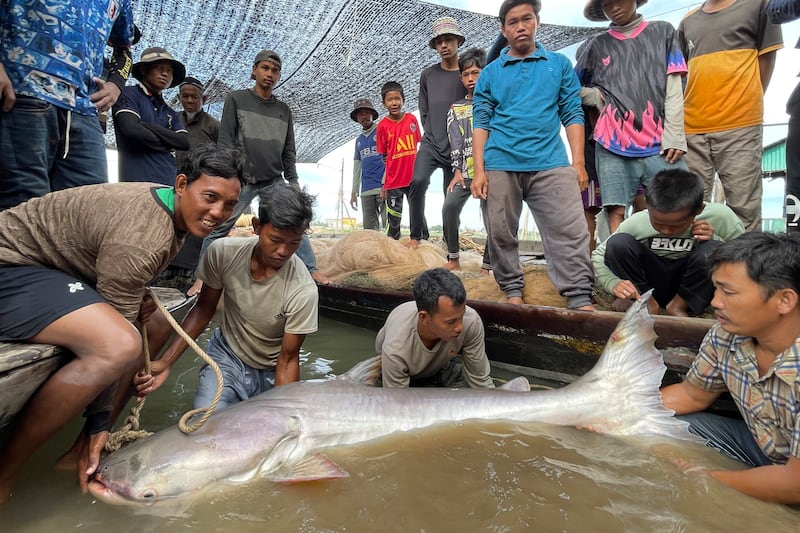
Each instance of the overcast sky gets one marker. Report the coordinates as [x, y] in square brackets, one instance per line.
[324, 179]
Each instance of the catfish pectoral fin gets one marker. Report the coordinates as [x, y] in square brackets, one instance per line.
[313, 467]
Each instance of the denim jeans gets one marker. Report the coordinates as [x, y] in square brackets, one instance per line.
[730, 436]
[45, 148]
[241, 381]
[248, 193]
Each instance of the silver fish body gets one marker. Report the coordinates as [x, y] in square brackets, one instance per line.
[278, 435]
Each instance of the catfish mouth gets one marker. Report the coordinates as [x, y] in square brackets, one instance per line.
[116, 494]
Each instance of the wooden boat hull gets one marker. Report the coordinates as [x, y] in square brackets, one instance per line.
[24, 367]
[551, 345]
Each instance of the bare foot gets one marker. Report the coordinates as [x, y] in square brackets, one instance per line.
[589, 307]
[69, 461]
[320, 278]
[486, 272]
[620, 306]
[678, 307]
[413, 244]
[452, 264]
[516, 300]
[652, 307]
[195, 288]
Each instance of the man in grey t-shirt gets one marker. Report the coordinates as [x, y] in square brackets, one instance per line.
[436, 340]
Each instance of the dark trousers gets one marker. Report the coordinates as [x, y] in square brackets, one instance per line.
[688, 276]
[394, 210]
[793, 163]
[451, 220]
[424, 165]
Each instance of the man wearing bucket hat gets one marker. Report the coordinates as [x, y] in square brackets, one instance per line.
[631, 77]
[147, 128]
[439, 86]
[368, 167]
[51, 90]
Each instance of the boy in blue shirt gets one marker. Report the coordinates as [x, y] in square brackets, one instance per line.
[521, 101]
[368, 167]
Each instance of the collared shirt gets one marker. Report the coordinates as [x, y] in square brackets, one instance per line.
[202, 128]
[142, 163]
[52, 50]
[770, 404]
[522, 103]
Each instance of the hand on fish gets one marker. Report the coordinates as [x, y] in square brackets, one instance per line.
[147, 383]
[89, 450]
[626, 290]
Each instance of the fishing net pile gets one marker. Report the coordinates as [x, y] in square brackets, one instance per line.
[370, 259]
[333, 51]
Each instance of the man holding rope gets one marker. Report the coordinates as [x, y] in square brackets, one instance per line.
[74, 266]
[270, 305]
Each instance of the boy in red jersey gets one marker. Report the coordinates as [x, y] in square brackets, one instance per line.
[397, 138]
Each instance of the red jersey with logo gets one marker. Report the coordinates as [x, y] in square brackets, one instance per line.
[398, 139]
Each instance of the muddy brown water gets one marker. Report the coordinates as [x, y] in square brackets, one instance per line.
[474, 476]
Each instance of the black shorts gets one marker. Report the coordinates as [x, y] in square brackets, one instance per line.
[33, 297]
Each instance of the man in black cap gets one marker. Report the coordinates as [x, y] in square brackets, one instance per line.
[148, 129]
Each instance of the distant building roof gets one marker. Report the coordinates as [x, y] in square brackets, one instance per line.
[333, 52]
[773, 162]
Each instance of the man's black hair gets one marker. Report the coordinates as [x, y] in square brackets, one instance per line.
[674, 190]
[212, 160]
[772, 259]
[508, 5]
[285, 207]
[436, 282]
[392, 86]
[472, 57]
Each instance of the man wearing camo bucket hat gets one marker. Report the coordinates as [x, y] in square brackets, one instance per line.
[439, 86]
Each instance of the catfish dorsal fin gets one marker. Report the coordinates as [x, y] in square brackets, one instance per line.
[364, 373]
[313, 467]
[518, 384]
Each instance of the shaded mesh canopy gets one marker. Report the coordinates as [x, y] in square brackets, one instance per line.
[333, 52]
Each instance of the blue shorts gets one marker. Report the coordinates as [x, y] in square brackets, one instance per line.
[36, 296]
[241, 381]
[620, 176]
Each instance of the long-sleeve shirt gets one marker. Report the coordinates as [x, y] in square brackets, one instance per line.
[438, 89]
[633, 116]
[263, 129]
[726, 226]
[522, 103]
[405, 356]
[459, 131]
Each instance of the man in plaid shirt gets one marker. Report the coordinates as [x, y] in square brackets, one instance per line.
[753, 352]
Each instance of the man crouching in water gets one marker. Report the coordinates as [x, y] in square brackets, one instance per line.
[74, 266]
[753, 352]
[436, 340]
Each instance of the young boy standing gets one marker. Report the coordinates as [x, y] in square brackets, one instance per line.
[459, 131]
[521, 101]
[368, 167]
[632, 75]
[397, 138]
[666, 247]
